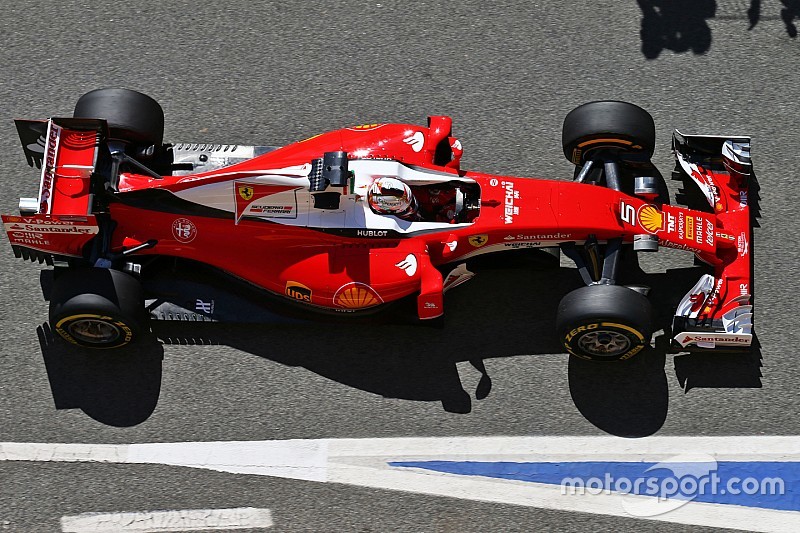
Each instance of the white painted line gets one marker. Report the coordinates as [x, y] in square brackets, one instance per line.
[165, 521]
[294, 459]
[365, 462]
[307, 456]
[731, 448]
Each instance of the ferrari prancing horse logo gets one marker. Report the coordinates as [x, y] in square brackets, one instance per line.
[478, 240]
[246, 191]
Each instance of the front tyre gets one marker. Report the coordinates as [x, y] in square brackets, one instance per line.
[607, 125]
[604, 322]
[97, 307]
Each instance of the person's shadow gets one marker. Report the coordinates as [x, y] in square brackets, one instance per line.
[677, 25]
[790, 12]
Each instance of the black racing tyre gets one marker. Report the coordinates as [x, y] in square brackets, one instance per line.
[132, 116]
[97, 307]
[604, 322]
[607, 125]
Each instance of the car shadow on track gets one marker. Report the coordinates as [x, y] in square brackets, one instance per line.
[119, 389]
[398, 358]
[501, 313]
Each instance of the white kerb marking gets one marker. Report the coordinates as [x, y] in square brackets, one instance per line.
[363, 462]
[165, 521]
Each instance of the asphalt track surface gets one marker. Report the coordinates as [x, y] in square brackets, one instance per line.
[242, 72]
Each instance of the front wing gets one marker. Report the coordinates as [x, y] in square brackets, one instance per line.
[718, 312]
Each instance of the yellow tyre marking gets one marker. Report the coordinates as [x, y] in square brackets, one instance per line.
[598, 141]
[593, 326]
[626, 328]
[85, 315]
[125, 329]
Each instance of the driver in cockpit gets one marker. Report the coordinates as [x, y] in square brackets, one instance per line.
[391, 196]
[432, 203]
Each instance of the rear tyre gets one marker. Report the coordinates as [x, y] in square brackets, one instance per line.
[132, 117]
[97, 307]
[607, 125]
[604, 322]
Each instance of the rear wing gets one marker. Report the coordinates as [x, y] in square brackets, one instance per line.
[717, 312]
[59, 221]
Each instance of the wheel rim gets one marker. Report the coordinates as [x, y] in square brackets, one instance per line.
[604, 343]
[94, 331]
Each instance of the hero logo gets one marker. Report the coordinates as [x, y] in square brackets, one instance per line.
[511, 195]
[409, 265]
[49, 169]
[415, 141]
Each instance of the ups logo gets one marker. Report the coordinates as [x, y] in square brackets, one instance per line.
[298, 291]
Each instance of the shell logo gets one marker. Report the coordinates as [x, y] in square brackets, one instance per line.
[365, 127]
[356, 296]
[651, 219]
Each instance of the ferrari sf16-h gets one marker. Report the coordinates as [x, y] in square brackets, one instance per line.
[350, 221]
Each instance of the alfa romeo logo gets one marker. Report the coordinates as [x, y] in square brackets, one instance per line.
[184, 230]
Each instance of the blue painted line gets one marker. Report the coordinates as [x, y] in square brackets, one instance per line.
[767, 485]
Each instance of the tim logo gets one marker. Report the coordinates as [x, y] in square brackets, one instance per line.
[298, 291]
[204, 307]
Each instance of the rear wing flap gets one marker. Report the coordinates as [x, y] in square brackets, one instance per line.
[59, 221]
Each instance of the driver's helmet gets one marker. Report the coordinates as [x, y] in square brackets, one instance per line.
[391, 196]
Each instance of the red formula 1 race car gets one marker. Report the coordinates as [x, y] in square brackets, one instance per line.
[351, 220]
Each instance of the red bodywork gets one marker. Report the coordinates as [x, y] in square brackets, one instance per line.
[360, 267]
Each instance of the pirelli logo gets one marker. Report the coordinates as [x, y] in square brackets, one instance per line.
[690, 228]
